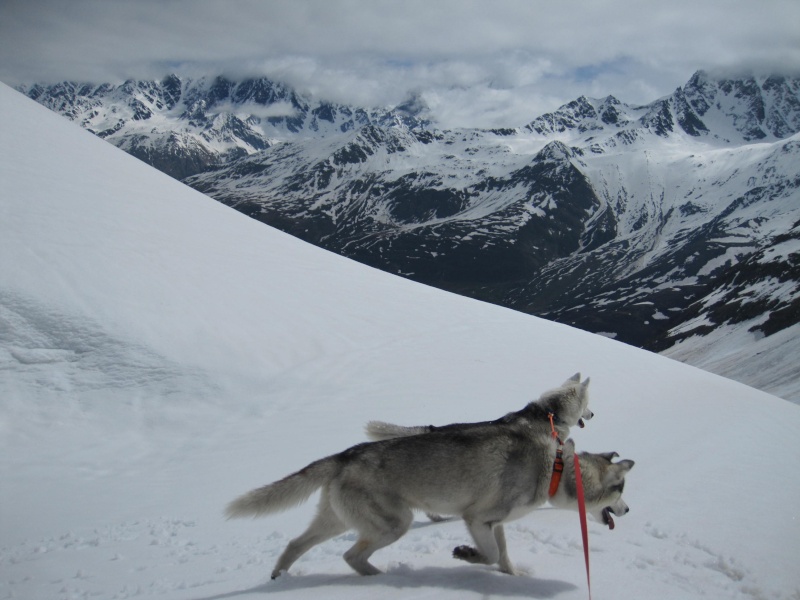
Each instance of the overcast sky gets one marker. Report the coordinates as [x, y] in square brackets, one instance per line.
[476, 63]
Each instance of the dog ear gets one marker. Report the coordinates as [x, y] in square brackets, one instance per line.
[624, 465]
[574, 379]
[585, 384]
[609, 456]
[615, 473]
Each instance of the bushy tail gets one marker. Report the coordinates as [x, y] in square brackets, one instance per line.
[378, 430]
[290, 491]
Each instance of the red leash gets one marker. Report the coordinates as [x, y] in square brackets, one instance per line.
[558, 468]
[582, 513]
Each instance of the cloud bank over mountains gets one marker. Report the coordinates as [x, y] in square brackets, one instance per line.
[474, 63]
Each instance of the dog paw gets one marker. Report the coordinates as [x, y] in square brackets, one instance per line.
[508, 569]
[437, 518]
[468, 553]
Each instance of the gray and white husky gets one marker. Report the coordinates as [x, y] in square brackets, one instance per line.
[487, 475]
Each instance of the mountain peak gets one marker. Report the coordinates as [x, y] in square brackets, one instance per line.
[414, 105]
[752, 107]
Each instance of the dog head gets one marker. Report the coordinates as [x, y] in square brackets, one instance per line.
[569, 402]
[603, 484]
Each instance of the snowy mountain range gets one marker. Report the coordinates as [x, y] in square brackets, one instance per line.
[673, 226]
[184, 126]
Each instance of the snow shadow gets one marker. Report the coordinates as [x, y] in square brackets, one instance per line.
[468, 579]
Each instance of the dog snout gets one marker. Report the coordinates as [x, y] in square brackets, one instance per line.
[620, 508]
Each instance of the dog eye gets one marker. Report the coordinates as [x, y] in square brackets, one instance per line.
[619, 487]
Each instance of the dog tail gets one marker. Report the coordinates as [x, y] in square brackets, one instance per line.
[378, 430]
[281, 495]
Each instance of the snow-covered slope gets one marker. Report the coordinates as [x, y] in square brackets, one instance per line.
[161, 353]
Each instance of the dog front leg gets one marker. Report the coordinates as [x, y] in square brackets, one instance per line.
[486, 551]
[504, 562]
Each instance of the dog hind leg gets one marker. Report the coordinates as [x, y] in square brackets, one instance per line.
[374, 537]
[324, 526]
[378, 516]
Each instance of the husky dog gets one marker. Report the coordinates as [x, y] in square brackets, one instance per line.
[568, 405]
[486, 475]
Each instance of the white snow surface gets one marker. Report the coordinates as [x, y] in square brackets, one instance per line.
[161, 353]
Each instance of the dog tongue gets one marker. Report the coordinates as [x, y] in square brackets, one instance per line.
[608, 518]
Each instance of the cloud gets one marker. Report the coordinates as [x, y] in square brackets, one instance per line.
[276, 109]
[509, 59]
